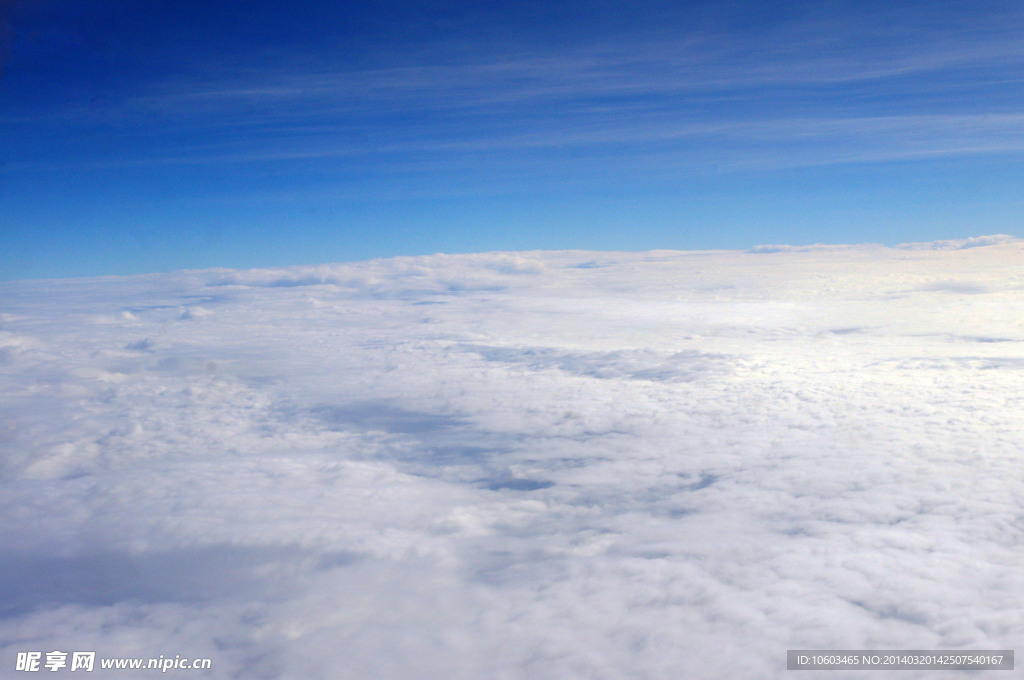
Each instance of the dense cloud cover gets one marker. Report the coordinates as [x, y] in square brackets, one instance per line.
[532, 465]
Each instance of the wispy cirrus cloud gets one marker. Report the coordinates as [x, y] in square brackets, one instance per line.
[797, 82]
[761, 144]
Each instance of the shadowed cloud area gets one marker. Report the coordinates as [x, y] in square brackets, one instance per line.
[518, 465]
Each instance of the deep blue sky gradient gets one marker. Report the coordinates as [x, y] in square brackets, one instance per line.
[148, 136]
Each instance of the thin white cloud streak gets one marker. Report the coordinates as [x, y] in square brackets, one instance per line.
[656, 66]
[732, 145]
[792, 97]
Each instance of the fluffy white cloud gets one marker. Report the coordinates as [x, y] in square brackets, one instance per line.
[543, 465]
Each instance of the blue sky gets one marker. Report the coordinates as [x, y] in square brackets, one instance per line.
[138, 137]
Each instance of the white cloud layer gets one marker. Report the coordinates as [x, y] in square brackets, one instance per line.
[532, 465]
